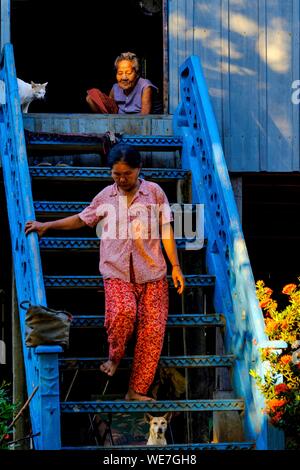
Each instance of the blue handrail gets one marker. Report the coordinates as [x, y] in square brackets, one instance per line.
[41, 363]
[226, 253]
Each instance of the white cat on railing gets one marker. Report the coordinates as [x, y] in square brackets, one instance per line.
[29, 92]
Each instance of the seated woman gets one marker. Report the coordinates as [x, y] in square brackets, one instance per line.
[131, 94]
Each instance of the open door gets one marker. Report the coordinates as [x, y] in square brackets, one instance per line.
[73, 45]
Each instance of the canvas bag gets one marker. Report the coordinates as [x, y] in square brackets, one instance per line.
[46, 326]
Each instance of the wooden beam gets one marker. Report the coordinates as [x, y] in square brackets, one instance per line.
[5, 23]
[165, 57]
[19, 382]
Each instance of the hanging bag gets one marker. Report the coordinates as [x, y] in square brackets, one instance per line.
[46, 326]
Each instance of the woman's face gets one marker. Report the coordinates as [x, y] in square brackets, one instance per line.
[126, 75]
[125, 176]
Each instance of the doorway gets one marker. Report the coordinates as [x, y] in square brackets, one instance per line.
[72, 46]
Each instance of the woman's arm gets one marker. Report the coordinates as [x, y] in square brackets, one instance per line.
[68, 223]
[147, 100]
[168, 241]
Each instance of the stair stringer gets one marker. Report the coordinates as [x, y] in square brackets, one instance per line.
[41, 363]
[226, 254]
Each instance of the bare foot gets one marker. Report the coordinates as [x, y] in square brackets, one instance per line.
[132, 395]
[109, 367]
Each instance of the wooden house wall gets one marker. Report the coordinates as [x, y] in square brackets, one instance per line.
[249, 50]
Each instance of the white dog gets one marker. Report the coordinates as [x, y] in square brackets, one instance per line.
[158, 427]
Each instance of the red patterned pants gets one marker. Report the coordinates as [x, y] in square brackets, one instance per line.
[144, 306]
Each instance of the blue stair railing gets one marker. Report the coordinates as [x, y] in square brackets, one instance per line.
[226, 254]
[41, 363]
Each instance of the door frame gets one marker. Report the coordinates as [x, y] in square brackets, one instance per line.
[165, 25]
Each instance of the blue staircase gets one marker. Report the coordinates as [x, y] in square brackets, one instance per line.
[200, 344]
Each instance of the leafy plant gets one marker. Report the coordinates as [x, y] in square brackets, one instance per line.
[280, 383]
[7, 410]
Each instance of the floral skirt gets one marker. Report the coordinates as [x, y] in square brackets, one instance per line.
[142, 306]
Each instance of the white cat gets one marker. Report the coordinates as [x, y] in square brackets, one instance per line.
[29, 92]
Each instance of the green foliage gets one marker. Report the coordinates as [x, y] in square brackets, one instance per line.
[7, 411]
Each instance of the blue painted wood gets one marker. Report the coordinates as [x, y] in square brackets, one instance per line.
[250, 55]
[186, 320]
[54, 207]
[81, 173]
[26, 258]
[89, 244]
[94, 282]
[153, 142]
[242, 107]
[151, 406]
[93, 363]
[280, 76]
[226, 253]
[4, 23]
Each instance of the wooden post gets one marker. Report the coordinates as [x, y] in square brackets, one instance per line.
[19, 382]
[227, 425]
[5, 23]
[237, 186]
[165, 57]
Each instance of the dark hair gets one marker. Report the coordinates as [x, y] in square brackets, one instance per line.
[124, 153]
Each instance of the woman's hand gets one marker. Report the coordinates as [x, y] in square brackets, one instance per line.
[33, 226]
[178, 279]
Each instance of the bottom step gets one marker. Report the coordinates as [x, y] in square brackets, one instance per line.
[174, 447]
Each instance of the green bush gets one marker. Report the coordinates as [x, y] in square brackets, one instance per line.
[7, 411]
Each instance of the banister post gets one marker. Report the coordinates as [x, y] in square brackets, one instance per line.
[49, 399]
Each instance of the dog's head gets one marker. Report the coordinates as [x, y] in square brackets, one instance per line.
[158, 424]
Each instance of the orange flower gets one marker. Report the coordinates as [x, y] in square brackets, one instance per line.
[284, 324]
[286, 359]
[268, 291]
[281, 388]
[276, 403]
[289, 288]
[271, 326]
[264, 303]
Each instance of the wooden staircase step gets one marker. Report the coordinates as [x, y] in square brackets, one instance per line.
[187, 320]
[153, 142]
[73, 281]
[87, 243]
[46, 140]
[93, 363]
[151, 406]
[102, 173]
[170, 447]
[57, 141]
[49, 208]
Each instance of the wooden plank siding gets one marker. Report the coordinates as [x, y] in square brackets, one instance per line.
[249, 51]
[98, 123]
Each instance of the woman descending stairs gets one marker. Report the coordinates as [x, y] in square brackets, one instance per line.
[213, 332]
[70, 267]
